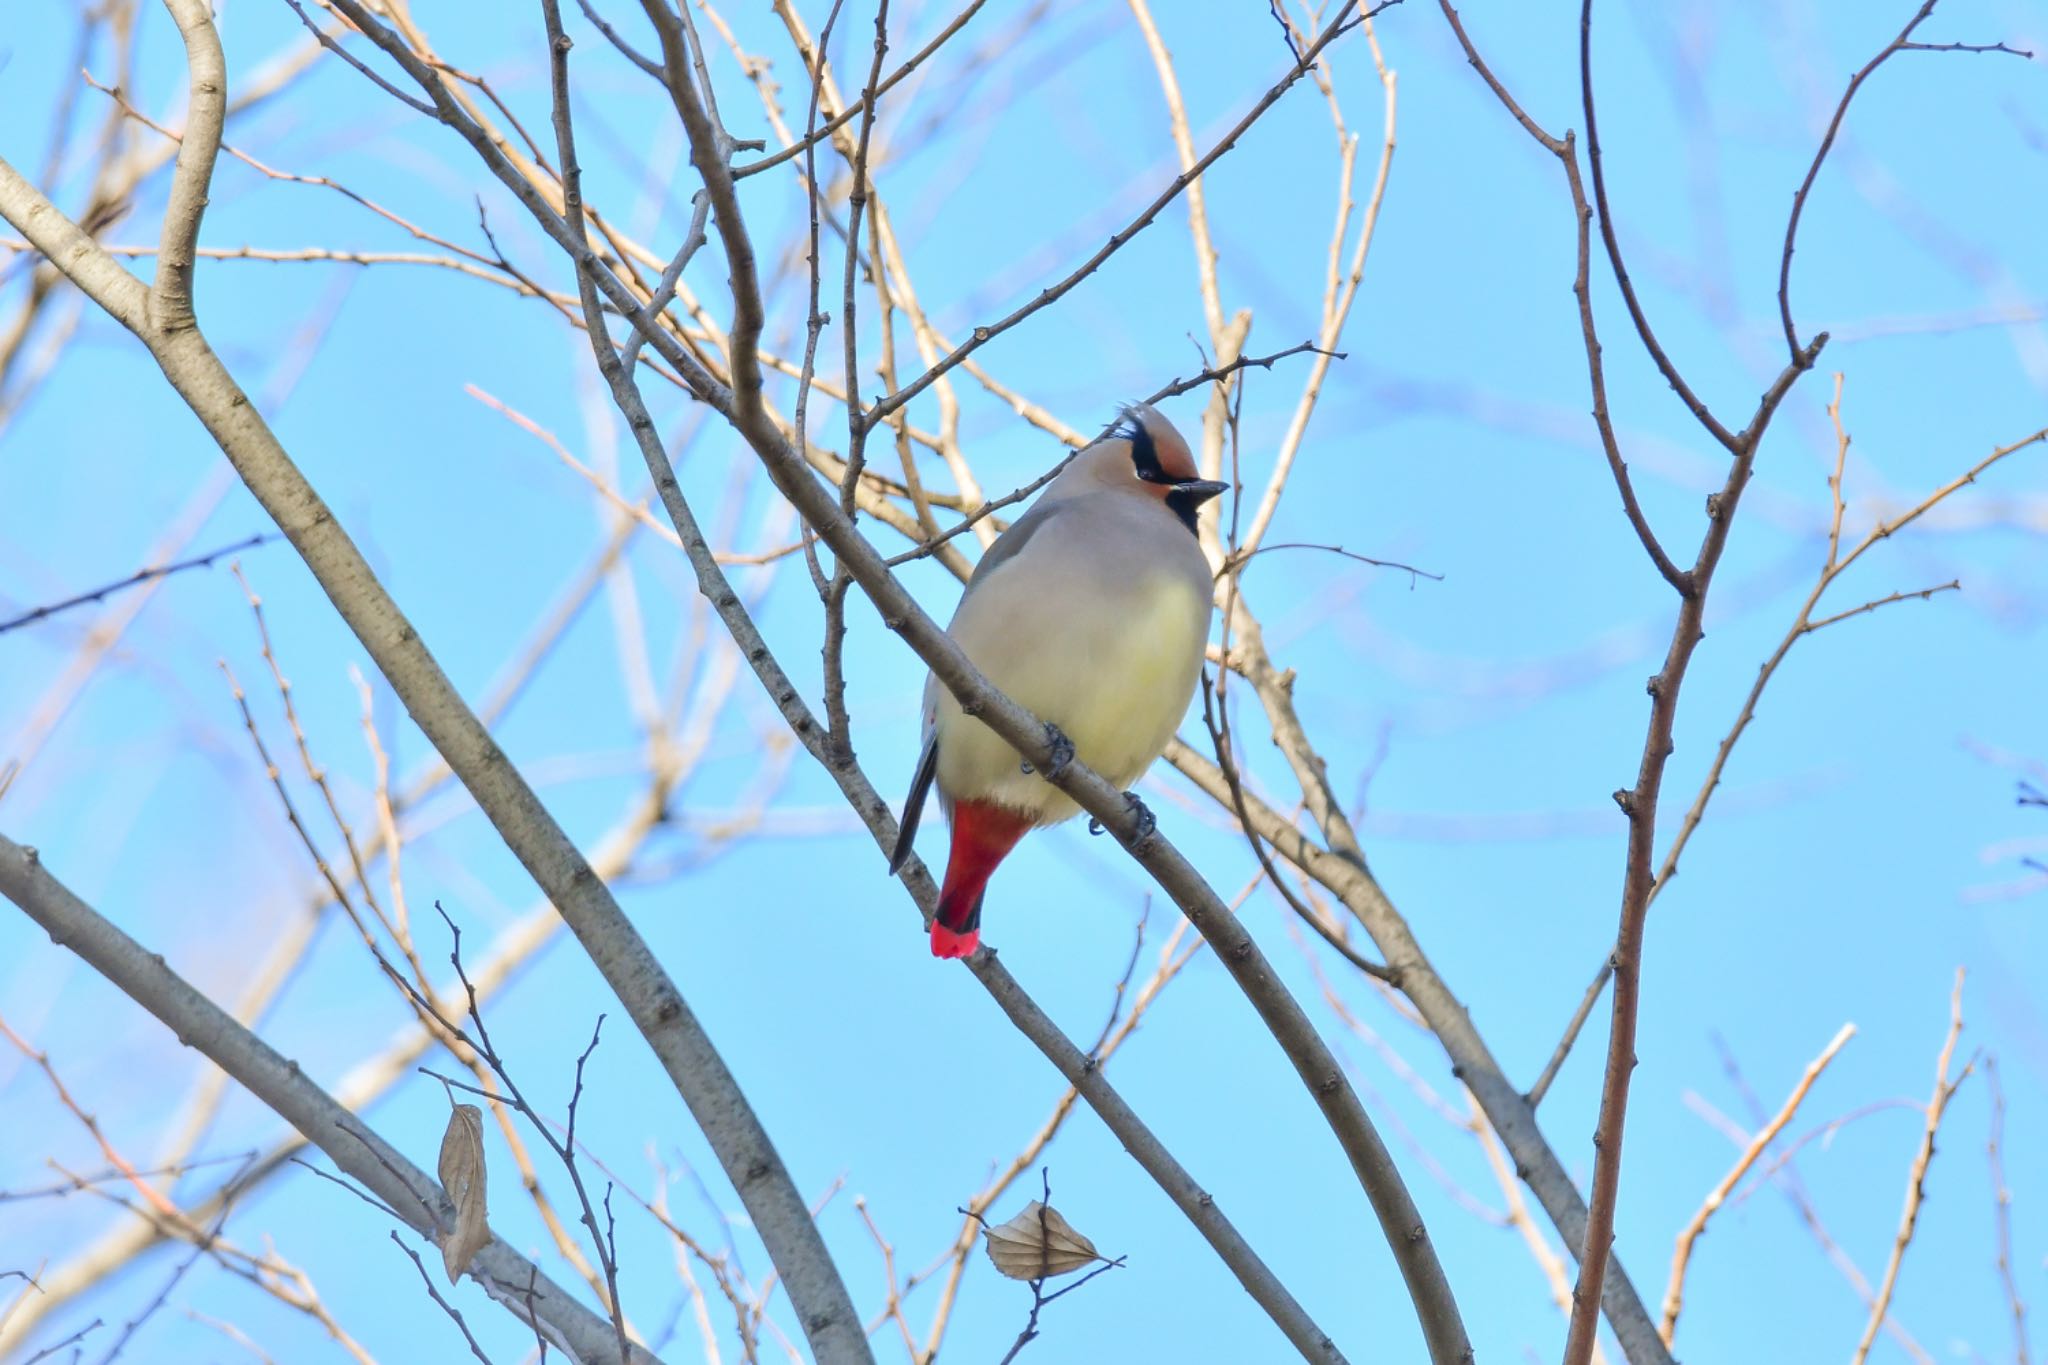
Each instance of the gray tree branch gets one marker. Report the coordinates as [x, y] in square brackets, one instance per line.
[276, 1080]
[1436, 1307]
[658, 1010]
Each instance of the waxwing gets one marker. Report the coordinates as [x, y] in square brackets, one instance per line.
[1091, 611]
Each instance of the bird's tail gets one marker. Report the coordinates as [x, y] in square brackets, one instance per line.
[983, 836]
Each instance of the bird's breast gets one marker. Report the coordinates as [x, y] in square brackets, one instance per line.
[1113, 663]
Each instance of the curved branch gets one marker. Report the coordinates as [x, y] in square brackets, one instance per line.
[1902, 43]
[279, 1083]
[1078, 1067]
[1565, 149]
[1281, 1013]
[1342, 868]
[1692, 401]
[657, 1008]
[170, 293]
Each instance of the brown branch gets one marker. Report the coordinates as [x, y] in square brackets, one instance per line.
[1547, 1261]
[1613, 244]
[1835, 563]
[1639, 806]
[1901, 43]
[1803, 624]
[1565, 149]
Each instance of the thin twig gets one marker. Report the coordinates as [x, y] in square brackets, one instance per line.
[2001, 1199]
[1039, 1298]
[1916, 1178]
[1238, 557]
[100, 593]
[1902, 43]
[1674, 1293]
[1347, 19]
[1612, 242]
[866, 104]
[435, 1294]
[1213, 375]
[1216, 717]
[1565, 149]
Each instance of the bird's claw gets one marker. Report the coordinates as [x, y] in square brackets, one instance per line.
[1148, 823]
[1062, 752]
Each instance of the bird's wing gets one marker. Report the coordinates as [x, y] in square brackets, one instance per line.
[1011, 542]
[913, 804]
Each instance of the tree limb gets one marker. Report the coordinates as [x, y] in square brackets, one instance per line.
[279, 1083]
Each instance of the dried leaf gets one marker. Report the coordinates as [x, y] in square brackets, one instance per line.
[462, 1174]
[1037, 1243]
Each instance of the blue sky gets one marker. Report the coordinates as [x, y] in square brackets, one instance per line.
[1864, 846]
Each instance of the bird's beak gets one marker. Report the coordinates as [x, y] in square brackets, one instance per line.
[1200, 491]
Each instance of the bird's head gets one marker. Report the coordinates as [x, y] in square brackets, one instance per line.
[1143, 454]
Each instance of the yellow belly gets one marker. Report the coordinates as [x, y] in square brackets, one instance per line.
[1117, 686]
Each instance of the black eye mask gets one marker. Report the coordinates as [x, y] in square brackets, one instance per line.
[1187, 495]
[1144, 454]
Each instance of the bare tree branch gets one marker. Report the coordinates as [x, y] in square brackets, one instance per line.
[1674, 1294]
[1902, 43]
[1916, 1178]
[163, 321]
[281, 1085]
[101, 593]
[1347, 18]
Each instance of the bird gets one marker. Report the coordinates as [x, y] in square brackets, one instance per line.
[1092, 612]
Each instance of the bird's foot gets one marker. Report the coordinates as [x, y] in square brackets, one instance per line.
[1062, 752]
[1148, 823]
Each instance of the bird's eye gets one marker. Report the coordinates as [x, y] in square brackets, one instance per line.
[1144, 454]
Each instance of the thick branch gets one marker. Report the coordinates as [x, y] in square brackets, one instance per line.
[1078, 1067]
[1639, 805]
[170, 295]
[1342, 869]
[279, 1083]
[658, 1010]
[1281, 1013]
